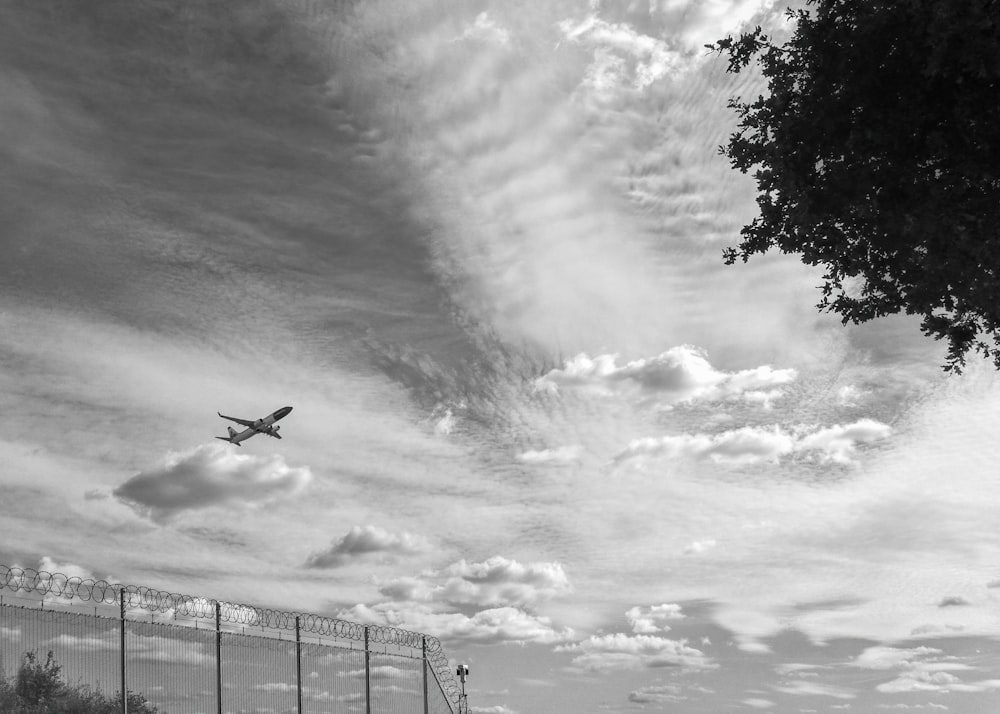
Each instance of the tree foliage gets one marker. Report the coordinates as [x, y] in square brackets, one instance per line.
[877, 156]
[38, 688]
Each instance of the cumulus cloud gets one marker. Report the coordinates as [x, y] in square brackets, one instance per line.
[501, 625]
[622, 55]
[50, 565]
[497, 581]
[837, 443]
[751, 445]
[618, 651]
[650, 620]
[920, 669]
[746, 445]
[211, 475]
[680, 375]
[366, 542]
[552, 457]
[884, 658]
[659, 694]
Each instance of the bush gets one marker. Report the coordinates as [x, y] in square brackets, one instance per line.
[39, 688]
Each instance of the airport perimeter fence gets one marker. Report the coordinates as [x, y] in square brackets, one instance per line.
[194, 655]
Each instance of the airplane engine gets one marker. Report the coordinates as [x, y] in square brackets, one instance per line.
[275, 429]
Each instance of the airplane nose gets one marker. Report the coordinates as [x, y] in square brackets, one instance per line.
[282, 413]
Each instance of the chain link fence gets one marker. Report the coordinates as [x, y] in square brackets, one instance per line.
[190, 655]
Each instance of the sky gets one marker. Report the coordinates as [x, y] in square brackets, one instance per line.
[478, 247]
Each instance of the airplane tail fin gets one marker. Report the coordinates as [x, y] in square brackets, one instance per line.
[232, 432]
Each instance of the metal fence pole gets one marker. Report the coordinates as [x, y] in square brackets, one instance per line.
[423, 650]
[121, 649]
[298, 663]
[368, 676]
[218, 657]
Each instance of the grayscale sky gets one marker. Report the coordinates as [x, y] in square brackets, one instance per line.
[477, 246]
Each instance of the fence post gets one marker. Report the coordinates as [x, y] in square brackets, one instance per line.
[368, 676]
[298, 663]
[121, 648]
[423, 659]
[218, 656]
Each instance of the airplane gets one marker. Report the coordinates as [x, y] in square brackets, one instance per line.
[260, 426]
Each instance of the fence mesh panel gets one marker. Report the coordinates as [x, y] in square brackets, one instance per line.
[173, 666]
[333, 679]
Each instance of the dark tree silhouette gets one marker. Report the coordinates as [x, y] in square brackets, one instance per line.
[877, 156]
[38, 688]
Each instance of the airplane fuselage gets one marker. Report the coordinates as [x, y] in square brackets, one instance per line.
[257, 426]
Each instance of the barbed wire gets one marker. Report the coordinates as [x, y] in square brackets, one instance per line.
[72, 587]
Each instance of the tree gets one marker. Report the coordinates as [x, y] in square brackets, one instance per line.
[877, 156]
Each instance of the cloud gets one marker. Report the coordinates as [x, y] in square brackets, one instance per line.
[650, 620]
[850, 395]
[552, 457]
[160, 650]
[815, 689]
[746, 445]
[837, 443]
[618, 651]
[659, 694]
[487, 30]
[211, 475]
[699, 546]
[622, 55]
[363, 542]
[495, 709]
[953, 601]
[758, 703]
[502, 625]
[751, 444]
[382, 672]
[497, 581]
[882, 657]
[680, 375]
[12, 634]
[50, 565]
[920, 669]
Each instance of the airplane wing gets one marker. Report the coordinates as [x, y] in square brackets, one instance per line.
[244, 422]
[270, 431]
